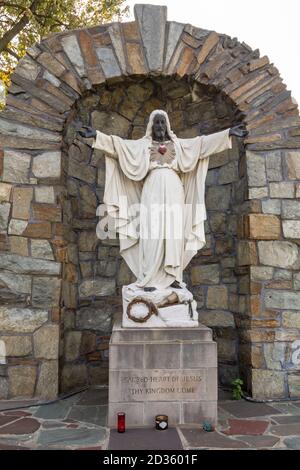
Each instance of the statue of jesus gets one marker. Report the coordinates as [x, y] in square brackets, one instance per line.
[166, 176]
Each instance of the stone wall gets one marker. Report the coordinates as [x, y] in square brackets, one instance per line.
[55, 274]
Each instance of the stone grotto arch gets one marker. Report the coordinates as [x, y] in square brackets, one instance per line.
[60, 285]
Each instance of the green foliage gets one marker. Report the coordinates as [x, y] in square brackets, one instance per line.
[25, 22]
[237, 391]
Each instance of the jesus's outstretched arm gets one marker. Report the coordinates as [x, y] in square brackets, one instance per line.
[101, 141]
[215, 143]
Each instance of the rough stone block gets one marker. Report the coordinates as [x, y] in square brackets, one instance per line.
[108, 62]
[21, 203]
[73, 376]
[152, 23]
[17, 227]
[282, 299]
[257, 193]
[47, 165]
[280, 254]
[41, 249]
[174, 33]
[264, 227]
[218, 198]
[38, 230]
[213, 318]
[294, 385]
[291, 229]
[271, 206]
[46, 342]
[97, 287]
[19, 245]
[205, 274]
[72, 345]
[267, 384]
[273, 166]
[46, 292]
[247, 253]
[282, 190]
[96, 317]
[21, 320]
[72, 49]
[5, 190]
[217, 297]
[4, 215]
[21, 381]
[16, 166]
[291, 209]
[17, 346]
[292, 160]
[47, 385]
[256, 170]
[44, 194]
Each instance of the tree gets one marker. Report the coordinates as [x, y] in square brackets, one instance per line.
[25, 22]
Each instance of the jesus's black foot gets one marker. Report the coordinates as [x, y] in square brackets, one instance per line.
[176, 285]
[149, 289]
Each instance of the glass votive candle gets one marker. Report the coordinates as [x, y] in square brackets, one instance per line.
[121, 422]
[161, 422]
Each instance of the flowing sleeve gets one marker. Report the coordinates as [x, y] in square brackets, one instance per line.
[215, 143]
[106, 143]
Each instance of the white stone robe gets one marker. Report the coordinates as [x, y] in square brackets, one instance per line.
[131, 177]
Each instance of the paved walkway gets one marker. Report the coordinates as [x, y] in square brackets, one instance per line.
[79, 422]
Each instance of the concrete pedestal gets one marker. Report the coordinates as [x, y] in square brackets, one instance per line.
[170, 371]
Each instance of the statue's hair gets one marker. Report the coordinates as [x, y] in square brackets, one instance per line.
[150, 124]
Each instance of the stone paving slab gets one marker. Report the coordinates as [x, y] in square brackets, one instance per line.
[61, 438]
[246, 427]
[292, 443]
[145, 439]
[197, 439]
[94, 397]
[21, 426]
[4, 446]
[286, 429]
[90, 414]
[290, 419]
[58, 410]
[78, 422]
[260, 442]
[247, 409]
[287, 408]
[7, 404]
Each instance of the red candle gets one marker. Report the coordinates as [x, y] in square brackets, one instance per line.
[121, 422]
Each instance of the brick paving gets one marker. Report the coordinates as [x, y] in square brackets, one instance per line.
[79, 422]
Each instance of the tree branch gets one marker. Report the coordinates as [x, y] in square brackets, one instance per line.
[11, 52]
[17, 28]
[12, 5]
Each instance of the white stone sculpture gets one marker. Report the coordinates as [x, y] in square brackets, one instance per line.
[154, 193]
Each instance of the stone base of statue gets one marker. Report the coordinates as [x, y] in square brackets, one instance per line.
[171, 371]
[161, 308]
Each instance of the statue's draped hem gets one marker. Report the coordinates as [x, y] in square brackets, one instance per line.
[127, 165]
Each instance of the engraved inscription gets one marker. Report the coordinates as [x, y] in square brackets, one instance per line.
[149, 385]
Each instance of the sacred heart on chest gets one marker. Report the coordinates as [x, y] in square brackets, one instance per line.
[162, 153]
[162, 149]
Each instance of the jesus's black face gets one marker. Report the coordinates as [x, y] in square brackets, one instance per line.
[159, 128]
